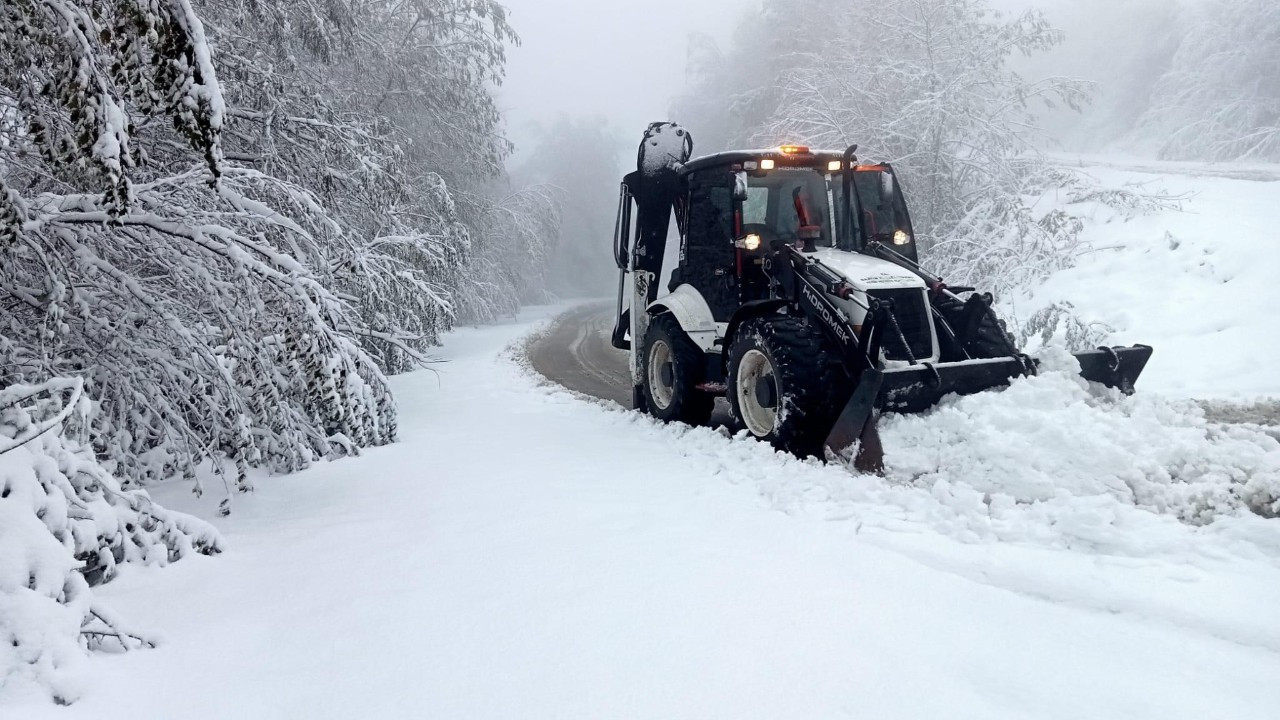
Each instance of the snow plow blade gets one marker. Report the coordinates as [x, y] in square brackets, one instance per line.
[919, 387]
[908, 390]
[854, 437]
[1114, 367]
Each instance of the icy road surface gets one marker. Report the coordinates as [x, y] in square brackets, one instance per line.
[523, 553]
[575, 351]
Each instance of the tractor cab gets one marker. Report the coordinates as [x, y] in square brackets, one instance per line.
[797, 196]
[734, 209]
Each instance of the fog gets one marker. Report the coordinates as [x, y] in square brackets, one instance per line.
[1183, 80]
[1120, 47]
[621, 64]
[618, 63]
[585, 81]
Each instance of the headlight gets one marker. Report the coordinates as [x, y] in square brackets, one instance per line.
[749, 242]
[900, 237]
[766, 164]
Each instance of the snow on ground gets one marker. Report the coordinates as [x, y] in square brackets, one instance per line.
[1200, 285]
[523, 552]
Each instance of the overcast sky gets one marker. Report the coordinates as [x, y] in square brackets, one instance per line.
[620, 61]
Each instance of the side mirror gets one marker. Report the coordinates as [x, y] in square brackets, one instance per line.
[622, 229]
[886, 188]
[740, 186]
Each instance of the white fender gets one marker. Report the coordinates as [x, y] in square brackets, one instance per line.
[692, 312]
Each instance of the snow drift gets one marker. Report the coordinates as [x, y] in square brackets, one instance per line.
[1078, 457]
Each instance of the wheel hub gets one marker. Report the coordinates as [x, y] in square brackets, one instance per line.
[757, 392]
[661, 374]
[668, 374]
[767, 392]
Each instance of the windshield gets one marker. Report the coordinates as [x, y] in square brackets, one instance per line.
[883, 211]
[798, 205]
[789, 205]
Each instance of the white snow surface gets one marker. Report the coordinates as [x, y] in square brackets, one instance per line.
[523, 552]
[1200, 284]
[864, 270]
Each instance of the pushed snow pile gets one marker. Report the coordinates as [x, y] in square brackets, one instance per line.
[1052, 439]
[1054, 461]
[65, 522]
[1048, 462]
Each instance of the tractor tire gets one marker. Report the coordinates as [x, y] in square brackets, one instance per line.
[989, 340]
[671, 368]
[785, 383]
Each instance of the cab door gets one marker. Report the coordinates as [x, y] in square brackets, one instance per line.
[707, 257]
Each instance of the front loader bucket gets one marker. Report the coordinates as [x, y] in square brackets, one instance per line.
[920, 387]
[1117, 367]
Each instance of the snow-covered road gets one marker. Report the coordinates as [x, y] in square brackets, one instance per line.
[523, 553]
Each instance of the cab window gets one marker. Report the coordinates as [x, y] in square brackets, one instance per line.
[789, 205]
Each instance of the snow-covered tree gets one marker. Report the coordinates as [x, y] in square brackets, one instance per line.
[513, 238]
[1220, 97]
[66, 524]
[231, 228]
[926, 85]
[383, 109]
[582, 159]
[181, 291]
[220, 224]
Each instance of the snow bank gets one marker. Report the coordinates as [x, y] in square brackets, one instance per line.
[66, 522]
[1198, 284]
[1051, 459]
